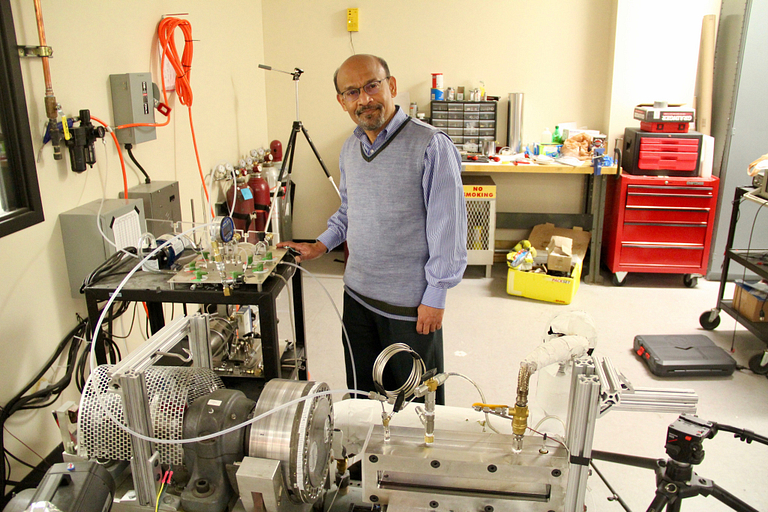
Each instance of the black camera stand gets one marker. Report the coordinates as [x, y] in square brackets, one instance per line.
[675, 478]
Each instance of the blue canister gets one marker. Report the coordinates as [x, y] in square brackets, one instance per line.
[437, 95]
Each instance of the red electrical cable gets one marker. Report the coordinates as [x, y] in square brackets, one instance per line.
[119, 153]
[183, 68]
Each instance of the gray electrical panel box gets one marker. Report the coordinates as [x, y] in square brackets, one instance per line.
[84, 248]
[133, 101]
[162, 204]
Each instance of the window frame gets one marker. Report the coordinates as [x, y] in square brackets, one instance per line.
[19, 149]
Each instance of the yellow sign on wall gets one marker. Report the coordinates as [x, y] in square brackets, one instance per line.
[479, 191]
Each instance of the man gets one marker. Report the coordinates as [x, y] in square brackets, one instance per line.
[404, 219]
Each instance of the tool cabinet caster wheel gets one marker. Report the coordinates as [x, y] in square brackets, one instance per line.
[619, 278]
[708, 324]
[690, 280]
[755, 366]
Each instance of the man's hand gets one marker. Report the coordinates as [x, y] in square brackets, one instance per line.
[306, 251]
[430, 319]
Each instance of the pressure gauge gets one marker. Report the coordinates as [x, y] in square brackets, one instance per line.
[229, 167]
[222, 229]
[220, 172]
[249, 162]
[254, 153]
[241, 163]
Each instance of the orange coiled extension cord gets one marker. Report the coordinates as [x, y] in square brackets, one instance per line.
[183, 68]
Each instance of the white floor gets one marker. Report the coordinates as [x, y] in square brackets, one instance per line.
[488, 332]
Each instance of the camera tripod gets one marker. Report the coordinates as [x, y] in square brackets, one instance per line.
[287, 167]
[675, 478]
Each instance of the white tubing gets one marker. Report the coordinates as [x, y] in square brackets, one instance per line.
[556, 350]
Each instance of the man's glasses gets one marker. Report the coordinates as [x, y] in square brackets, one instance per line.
[371, 89]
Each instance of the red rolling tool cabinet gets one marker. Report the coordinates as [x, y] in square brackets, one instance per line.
[659, 224]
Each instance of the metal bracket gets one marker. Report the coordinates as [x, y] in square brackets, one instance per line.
[35, 51]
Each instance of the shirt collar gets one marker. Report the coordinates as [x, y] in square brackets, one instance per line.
[397, 120]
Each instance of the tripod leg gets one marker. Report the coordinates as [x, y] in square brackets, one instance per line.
[287, 160]
[729, 499]
[314, 150]
[659, 502]
[320, 159]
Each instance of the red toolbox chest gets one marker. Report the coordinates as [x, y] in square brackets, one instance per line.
[659, 224]
[657, 154]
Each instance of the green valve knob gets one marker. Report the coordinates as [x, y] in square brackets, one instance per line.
[236, 274]
[192, 265]
[259, 267]
[250, 259]
[267, 256]
[199, 274]
[205, 255]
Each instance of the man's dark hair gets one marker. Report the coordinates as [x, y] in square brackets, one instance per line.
[381, 61]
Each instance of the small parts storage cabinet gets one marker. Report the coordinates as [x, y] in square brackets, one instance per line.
[659, 224]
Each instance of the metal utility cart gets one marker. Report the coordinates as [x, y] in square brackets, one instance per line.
[751, 259]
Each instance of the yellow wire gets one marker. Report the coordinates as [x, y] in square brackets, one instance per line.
[157, 502]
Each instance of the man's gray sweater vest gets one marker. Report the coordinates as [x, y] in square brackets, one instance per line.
[386, 232]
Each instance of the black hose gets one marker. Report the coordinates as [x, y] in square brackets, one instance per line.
[128, 148]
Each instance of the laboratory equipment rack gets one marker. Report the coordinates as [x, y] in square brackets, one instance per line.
[154, 290]
[749, 259]
[659, 224]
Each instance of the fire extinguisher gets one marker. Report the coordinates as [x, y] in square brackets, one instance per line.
[244, 208]
[261, 199]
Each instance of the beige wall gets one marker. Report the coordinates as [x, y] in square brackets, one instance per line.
[560, 54]
[656, 55]
[557, 53]
[91, 40]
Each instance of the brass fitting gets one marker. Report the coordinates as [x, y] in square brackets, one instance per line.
[520, 420]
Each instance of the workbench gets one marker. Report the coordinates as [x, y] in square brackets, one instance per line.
[154, 290]
[592, 214]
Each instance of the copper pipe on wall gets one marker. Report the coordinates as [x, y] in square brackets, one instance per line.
[51, 107]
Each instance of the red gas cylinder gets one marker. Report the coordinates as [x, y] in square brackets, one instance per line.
[260, 189]
[244, 206]
[276, 148]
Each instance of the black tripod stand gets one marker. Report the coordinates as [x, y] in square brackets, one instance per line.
[675, 478]
[287, 167]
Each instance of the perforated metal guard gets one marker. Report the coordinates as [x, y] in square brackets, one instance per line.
[478, 222]
[170, 391]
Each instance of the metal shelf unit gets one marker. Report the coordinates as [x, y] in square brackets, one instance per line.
[749, 259]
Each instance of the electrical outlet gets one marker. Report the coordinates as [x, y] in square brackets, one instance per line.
[353, 20]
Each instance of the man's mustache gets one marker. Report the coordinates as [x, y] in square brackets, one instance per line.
[362, 110]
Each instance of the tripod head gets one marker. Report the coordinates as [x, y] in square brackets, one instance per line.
[685, 438]
[296, 73]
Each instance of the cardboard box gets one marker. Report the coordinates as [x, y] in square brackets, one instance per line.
[750, 303]
[560, 254]
[545, 287]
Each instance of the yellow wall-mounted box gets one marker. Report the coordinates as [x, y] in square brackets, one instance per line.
[353, 21]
